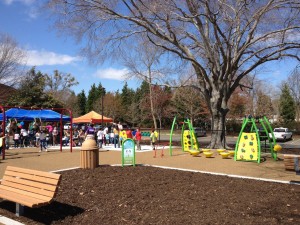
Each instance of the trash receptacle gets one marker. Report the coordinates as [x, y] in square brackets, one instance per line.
[89, 154]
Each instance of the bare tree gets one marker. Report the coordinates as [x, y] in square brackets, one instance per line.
[143, 64]
[264, 106]
[190, 103]
[223, 40]
[11, 60]
[59, 84]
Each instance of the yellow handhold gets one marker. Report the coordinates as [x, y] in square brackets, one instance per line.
[194, 153]
[277, 148]
[208, 154]
[224, 155]
[231, 152]
[220, 150]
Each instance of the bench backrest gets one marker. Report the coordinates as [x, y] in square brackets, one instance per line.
[33, 183]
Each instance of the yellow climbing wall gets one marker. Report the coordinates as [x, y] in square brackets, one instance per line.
[247, 148]
[187, 145]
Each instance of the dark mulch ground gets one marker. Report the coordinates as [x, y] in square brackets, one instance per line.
[146, 195]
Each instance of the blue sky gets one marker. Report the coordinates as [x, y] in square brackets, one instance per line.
[23, 21]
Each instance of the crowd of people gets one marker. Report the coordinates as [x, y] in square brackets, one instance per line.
[35, 134]
[112, 136]
[31, 134]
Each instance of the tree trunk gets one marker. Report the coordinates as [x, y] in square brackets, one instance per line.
[219, 110]
[151, 100]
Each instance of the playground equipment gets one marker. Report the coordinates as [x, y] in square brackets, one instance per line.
[224, 154]
[189, 140]
[208, 154]
[220, 151]
[162, 152]
[248, 146]
[194, 153]
[231, 153]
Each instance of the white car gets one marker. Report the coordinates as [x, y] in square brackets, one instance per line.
[282, 134]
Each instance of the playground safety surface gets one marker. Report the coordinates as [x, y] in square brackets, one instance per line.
[151, 195]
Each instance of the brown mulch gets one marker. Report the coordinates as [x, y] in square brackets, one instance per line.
[148, 195]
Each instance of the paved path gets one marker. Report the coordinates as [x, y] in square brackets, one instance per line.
[56, 160]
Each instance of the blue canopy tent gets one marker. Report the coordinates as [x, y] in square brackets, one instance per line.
[29, 115]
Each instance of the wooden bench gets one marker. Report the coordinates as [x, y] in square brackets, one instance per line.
[292, 162]
[28, 187]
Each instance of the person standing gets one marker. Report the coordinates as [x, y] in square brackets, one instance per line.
[54, 136]
[100, 138]
[105, 132]
[138, 138]
[129, 133]
[50, 134]
[111, 137]
[81, 137]
[153, 138]
[25, 137]
[37, 138]
[116, 136]
[120, 126]
[16, 139]
[90, 132]
[43, 141]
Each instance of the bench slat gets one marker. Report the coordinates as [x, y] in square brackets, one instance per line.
[28, 187]
[22, 192]
[34, 190]
[32, 177]
[36, 172]
[22, 199]
[49, 187]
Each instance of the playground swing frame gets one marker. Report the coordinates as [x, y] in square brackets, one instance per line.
[266, 129]
[191, 130]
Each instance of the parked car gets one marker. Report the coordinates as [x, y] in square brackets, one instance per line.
[282, 134]
[67, 126]
[200, 132]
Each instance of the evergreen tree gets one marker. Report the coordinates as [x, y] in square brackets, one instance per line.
[81, 101]
[31, 92]
[127, 97]
[287, 107]
[91, 99]
[100, 91]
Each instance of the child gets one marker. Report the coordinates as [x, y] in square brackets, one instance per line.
[153, 138]
[16, 139]
[138, 138]
[37, 139]
[43, 142]
[107, 139]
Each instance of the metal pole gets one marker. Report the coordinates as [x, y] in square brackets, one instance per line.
[102, 106]
[102, 110]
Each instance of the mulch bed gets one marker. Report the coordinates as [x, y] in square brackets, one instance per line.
[148, 195]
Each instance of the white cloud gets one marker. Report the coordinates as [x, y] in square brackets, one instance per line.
[26, 2]
[41, 58]
[111, 73]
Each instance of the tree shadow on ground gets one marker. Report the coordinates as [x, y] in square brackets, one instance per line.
[55, 211]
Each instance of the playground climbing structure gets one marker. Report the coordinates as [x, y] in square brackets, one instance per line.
[249, 142]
